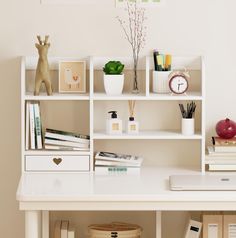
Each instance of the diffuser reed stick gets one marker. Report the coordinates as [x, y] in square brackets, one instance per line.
[131, 107]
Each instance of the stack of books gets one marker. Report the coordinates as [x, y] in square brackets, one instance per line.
[62, 140]
[33, 126]
[222, 154]
[63, 229]
[107, 162]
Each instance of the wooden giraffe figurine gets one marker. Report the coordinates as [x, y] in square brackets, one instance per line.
[43, 71]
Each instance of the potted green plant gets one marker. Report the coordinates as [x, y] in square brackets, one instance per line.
[113, 77]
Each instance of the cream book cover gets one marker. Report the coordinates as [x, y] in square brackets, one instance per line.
[212, 226]
[64, 229]
[229, 226]
[71, 231]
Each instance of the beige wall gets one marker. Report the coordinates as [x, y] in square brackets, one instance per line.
[182, 27]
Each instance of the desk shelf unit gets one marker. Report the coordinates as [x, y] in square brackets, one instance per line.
[158, 114]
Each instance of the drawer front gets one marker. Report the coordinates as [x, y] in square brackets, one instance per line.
[46, 163]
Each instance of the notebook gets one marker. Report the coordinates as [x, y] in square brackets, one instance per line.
[202, 182]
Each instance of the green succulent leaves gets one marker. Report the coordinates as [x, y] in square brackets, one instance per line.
[113, 67]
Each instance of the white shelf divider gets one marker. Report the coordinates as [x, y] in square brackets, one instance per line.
[56, 97]
[125, 96]
[195, 96]
[147, 76]
[56, 152]
[148, 135]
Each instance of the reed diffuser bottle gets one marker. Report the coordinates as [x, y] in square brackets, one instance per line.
[113, 124]
[132, 125]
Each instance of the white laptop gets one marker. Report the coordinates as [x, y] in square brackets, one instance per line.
[203, 182]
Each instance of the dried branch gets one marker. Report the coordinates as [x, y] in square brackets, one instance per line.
[135, 31]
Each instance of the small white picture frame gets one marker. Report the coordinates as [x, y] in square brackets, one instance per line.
[72, 77]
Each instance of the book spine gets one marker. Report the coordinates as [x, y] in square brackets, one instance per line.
[64, 229]
[66, 148]
[71, 234]
[115, 163]
[65, 143]
[116, 170]
[32, 127]
[38, 126]
[225, 149]
[27, 126]
[64, 133]
[132, 159]
[67, 138]
[213, 153]
[71, 231]
[222, 167]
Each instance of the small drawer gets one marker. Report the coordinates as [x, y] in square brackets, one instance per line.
[48, 163]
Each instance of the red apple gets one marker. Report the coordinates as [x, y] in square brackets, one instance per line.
[226, 129]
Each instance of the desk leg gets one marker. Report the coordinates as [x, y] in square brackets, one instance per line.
[45, 224]
[33, 228]
[158, 224]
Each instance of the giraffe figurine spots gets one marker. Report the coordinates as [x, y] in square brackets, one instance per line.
[43, 71]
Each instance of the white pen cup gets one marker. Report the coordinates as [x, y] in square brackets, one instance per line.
[188, 125]
[160, 81]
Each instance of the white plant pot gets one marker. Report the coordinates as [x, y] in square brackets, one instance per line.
[113, 84]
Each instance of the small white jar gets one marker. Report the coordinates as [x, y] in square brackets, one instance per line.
[188, 125]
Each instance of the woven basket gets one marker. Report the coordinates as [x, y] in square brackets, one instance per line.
[115, 230]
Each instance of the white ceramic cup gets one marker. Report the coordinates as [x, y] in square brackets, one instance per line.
[160, 82]
[188, 126]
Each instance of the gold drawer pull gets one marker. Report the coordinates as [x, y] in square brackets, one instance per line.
[57, 161]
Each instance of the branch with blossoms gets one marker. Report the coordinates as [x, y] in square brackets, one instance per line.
[134, 29]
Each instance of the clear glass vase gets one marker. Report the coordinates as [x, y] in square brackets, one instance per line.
[135, 89]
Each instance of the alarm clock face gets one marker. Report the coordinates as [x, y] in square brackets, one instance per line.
[178, 84]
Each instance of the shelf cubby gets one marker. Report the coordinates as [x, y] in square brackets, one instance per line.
[28, 72]
[158, 119]
[158, 153]
[194, 65]
[96, 67]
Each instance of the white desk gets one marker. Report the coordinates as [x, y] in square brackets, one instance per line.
[40, 193]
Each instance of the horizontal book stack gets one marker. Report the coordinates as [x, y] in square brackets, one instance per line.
[107, 162]
[63, 229]
[62, 140]
[222, 154]
[33, 126]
